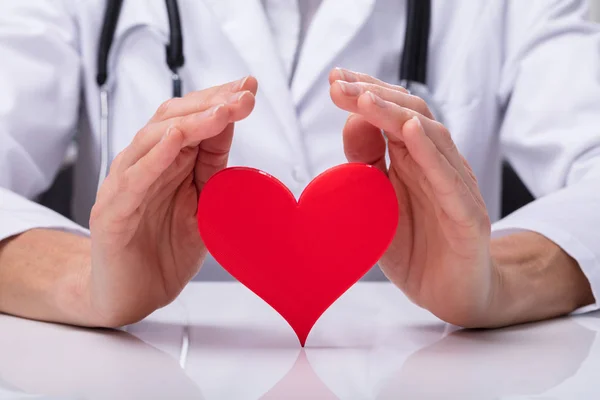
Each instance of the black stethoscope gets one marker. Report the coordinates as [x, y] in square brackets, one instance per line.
[412, 74]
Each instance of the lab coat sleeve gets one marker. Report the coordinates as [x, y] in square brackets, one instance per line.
[550, 133]
[39, 104]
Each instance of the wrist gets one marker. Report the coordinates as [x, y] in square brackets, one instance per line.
[73, 289]
[534, 280]
[43, 276]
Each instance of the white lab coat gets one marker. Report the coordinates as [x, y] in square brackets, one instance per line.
[513, 78]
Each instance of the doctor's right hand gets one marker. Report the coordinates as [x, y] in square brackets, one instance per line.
[145, 241]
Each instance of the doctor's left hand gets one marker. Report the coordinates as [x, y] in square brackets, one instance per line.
[145, 241]
[440, 256]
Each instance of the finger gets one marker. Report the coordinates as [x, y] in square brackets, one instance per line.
[383, 114]
[130, 187]
[391, 117]
[195, 127]
[212, 156]
[448, 186]
[364, 142]
[342, 74]
[203, 99]
[346, 94]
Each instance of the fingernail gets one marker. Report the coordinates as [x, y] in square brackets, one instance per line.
[210, 112]
[350, 89]
[240, 84]
[168, 133]
[417, 121]
[404, 89]
[378, 101]
[234, 98]
[215, 109]
[347, 75]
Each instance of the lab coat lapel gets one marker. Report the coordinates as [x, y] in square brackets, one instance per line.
[333, 27]
[246, 26]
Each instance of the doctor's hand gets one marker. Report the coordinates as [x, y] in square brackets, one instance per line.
[145, 241]
[440, 256]
[443, 256]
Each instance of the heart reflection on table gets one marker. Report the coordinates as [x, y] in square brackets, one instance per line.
[300, 383]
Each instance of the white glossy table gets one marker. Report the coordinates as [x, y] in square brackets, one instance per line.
[219, 341]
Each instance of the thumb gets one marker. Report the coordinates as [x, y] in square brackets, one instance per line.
[364, 143]
[213, 154]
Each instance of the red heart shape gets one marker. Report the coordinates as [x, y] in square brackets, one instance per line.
[299, 257]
